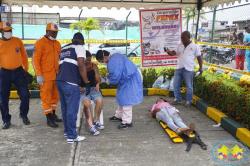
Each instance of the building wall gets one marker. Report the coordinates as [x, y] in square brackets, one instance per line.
[31, 18]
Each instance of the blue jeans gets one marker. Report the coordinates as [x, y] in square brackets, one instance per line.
[69, 97]
[248, 60]
[173, 121]
[17, 77]
[93, 95]
[187, 76]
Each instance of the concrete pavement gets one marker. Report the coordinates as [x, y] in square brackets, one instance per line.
[144, 144]
[35, 144]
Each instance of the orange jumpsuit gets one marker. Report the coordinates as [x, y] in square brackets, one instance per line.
[46, 63]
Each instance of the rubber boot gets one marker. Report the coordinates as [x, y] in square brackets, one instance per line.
[56, 119]
[50, 121]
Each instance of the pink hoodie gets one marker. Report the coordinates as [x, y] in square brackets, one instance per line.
[162, 104]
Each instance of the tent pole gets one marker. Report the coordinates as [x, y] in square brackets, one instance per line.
[212, 35]
[22, 25]
[79, 17]
[213, 24]
[199, 6]
[197, 25]
[1, 11]
[127, 32]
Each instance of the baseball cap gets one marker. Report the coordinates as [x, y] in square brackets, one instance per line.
[5, 26]
[52, 27]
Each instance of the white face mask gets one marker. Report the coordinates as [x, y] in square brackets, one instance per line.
[51, 38]
[7, 35]
[104, 64]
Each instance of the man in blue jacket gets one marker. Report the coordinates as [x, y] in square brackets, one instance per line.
[124, 74]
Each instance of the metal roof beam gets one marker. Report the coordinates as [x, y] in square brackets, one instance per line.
[161, 1]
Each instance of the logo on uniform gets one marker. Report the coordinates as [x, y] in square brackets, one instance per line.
[17, 50]
[55, 26]
[8, 24]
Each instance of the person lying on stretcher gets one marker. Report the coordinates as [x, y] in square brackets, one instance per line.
[165, 112]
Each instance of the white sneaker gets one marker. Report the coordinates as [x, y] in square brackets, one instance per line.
[176, 102]
[188, 104]
[98, 125]
[77, 139]
[93, 131]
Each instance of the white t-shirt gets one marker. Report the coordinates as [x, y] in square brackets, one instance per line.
[186, 56]
[80, 51]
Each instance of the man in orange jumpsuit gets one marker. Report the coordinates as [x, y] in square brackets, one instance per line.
[46, 62]
[13, 70]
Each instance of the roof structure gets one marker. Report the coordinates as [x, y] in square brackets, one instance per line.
[137, 4]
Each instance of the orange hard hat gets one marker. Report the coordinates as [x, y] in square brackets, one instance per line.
[52, 27]
[5, 26]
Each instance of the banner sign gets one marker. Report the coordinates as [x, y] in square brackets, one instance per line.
[160, 29]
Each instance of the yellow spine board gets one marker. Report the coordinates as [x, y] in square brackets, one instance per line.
[175, 138]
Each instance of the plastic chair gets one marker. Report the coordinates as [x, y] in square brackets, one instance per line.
[92, 110]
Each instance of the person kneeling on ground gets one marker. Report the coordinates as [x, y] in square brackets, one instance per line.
[165, 112]
[95, 95]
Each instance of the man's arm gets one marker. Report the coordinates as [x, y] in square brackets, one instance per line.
[171, 53]
[37, 59]
[82, 69]
[81, 56]
[24, 57]
[199, 59]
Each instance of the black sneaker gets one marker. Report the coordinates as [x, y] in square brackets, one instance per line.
[26, 121]
[125, 126]
[114, 118]
[6, 125]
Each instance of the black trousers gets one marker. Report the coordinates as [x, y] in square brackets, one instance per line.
[19, 79]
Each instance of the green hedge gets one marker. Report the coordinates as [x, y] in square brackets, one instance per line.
[228, 95]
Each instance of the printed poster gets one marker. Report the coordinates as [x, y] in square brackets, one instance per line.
[160, 29]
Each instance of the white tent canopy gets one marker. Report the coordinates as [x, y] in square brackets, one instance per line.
[137, 4]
